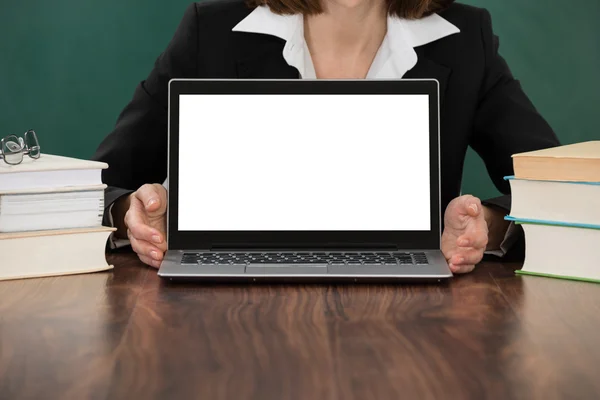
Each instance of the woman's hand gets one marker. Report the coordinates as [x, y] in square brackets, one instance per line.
[465, 236]
[146, 222]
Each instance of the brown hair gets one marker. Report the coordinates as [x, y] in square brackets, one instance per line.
[409, 9]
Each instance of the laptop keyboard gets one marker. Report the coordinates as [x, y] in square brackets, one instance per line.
[392, 258]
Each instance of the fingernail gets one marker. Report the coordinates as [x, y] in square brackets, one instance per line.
[463, 242]
[156, 239]
[473, 207]
[154, 255]
[151, 202]
[460, 260]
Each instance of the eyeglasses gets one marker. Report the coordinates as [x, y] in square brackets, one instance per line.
[12, 147]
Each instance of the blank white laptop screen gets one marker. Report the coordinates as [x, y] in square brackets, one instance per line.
[304, 162]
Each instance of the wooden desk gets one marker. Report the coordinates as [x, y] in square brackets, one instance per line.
[127, 334]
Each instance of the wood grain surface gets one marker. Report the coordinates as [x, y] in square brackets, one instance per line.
[127, 334]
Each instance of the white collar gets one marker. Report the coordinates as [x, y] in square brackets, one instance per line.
[395, 57]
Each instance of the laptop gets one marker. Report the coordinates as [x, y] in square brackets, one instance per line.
[304, 180]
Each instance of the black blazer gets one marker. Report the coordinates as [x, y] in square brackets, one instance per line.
[482, 105]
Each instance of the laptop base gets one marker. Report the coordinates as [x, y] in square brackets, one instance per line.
[436, 269]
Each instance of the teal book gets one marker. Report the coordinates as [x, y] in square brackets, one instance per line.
[573, 203]
[559, 249]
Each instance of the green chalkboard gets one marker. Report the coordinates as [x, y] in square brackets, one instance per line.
[68, 67]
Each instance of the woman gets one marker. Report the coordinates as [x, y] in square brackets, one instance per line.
[482, 105]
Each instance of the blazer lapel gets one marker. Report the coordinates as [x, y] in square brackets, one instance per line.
[428, 69]
[265, 62]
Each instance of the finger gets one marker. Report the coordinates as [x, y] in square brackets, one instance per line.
[461, 269]
[134, 215]
[470, 205]
[154, 199]
[141, 231]
[162, 246]
[141, 247]
[149, 261]
[466, 257]
[476, 239]
[136, 221]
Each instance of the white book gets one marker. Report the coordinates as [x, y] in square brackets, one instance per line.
[52, 209]
[51, 253]
[561, 251]
[554, 201]
[49, 171]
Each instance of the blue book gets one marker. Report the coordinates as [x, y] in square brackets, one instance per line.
[559, 202]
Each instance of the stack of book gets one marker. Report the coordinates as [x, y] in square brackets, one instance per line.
[51, 217]
[556, 199]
